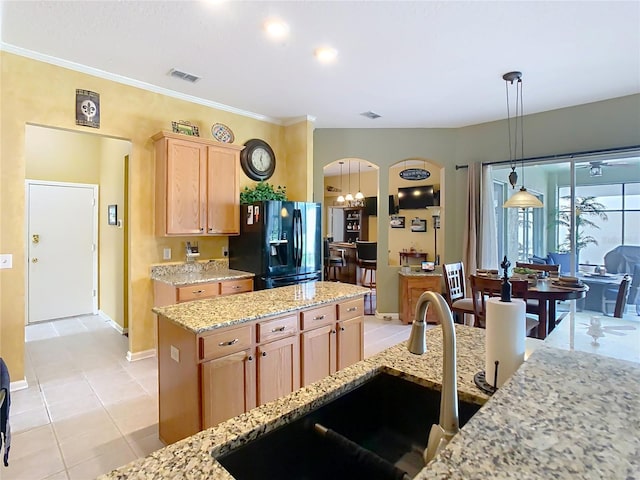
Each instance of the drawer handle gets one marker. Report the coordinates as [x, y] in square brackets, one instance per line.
[352, 309]
[342, 329]
[333, 331]
[197, 292]
[278, 329]
[229, 343]
[264, 354]
[319, 317]
[250, 358]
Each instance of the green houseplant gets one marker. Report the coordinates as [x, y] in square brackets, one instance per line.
[262, 191]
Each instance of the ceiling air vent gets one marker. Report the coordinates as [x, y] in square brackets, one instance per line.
[189, 77]
[370, 114]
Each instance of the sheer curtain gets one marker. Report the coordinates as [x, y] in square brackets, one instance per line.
[480, 245]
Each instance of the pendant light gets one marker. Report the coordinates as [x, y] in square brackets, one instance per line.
[349, 197]
[522, 198]
[340, 198]
[359, 195]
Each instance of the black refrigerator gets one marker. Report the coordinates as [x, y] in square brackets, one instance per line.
[279, 242]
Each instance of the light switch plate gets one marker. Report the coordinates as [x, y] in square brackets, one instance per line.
[166, 254]
[6, 260]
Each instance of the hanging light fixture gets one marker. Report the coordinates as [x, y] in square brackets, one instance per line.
[359, 195]
[522, 198]
[349, 197]
[340, 198]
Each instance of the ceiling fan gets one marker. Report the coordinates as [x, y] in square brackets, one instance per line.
[595, 167]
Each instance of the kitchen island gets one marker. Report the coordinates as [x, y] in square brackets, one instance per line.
[563, 415]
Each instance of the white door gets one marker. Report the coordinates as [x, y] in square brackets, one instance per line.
[62, 250]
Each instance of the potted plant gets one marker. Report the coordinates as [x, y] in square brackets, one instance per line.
[262, 191]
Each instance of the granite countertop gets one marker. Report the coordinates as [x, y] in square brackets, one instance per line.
[563, 415]
[203, 271]
[202, 315]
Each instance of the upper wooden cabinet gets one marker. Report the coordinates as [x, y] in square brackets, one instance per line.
[197, 189]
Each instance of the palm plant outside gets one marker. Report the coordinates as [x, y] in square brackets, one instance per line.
[586, 207]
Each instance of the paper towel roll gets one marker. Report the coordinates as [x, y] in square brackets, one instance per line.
[504, 340]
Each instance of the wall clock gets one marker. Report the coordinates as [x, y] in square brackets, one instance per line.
[257, 159]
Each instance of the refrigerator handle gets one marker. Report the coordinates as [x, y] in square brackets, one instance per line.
[301, 230]
[297, 235]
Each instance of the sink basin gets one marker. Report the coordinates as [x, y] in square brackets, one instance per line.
[387, 415]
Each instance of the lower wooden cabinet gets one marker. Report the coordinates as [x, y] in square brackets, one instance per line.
[278, 368]
[411, 287]
[228, 387]
[166, 294]
[207, 378]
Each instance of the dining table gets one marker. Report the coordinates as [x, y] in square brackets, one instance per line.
[548, 293]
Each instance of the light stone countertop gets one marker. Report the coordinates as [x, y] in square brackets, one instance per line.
[179, 274]
[203, 315]
[563, 415]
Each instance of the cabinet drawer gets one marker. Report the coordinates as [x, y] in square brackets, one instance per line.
[318, 316]
[236, 286]
[277, 328]
[351, 309]
[225, 342]
[200, 290]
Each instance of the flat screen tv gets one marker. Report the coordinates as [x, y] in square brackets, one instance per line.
[412, 198]
[371, 206]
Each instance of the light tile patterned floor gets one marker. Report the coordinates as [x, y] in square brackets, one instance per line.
[88, 410]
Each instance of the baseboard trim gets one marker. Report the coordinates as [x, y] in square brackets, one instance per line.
[113, 323]
[134, 357]
[18, 385]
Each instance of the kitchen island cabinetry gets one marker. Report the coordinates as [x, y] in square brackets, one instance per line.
[210, 372]
[197, 189]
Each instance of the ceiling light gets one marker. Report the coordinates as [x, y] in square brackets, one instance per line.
[522, 198]
[276, 28]
[325, 54]
[349, 197]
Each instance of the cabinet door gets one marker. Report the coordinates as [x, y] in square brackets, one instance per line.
[318, 353]
[186, 187]
[350, 342]
[228, 387]
[223, 215]
[278, 369]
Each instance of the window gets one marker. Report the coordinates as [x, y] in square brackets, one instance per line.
[608, 215]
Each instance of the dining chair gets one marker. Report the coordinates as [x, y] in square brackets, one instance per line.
[620, 299]
[332, 261]
[454, 284]
[483, 287]
[367, 260]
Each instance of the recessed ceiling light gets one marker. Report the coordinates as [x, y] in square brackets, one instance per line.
[276, 28]
[325, 54]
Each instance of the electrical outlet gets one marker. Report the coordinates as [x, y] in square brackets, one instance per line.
[175, 354]
[166, 254]
[225, 251]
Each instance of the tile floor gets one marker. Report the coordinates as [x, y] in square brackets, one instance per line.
[88, 410]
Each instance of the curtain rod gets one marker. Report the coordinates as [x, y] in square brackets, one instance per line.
[560, 156]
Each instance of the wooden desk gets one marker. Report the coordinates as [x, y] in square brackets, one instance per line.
[423, 256]
[547, 294]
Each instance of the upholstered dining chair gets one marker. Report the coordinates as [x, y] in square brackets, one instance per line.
[485, 287]
[367, 260]
[454, 283]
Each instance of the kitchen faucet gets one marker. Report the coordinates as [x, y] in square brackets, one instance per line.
[440, 434]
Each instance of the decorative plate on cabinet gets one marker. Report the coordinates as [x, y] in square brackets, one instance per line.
[222, 133]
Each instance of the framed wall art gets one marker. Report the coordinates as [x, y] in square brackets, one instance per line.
[396, 222]
[418, 225]
[87, 108]
[185, 128]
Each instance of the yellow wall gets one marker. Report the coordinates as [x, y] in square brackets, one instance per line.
[34, 92]
[404, 238]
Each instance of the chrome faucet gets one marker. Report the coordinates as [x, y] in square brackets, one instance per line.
[440, 434]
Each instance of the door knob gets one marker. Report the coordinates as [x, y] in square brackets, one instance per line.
[34, 260]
